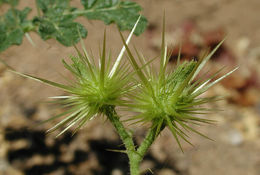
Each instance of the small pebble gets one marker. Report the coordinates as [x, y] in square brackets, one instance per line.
[235, 137]
[117, 172]
[166, 172]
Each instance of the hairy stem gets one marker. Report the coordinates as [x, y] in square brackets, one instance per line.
[134, 158]
[135, 155]
[124, 135]
[147, 142]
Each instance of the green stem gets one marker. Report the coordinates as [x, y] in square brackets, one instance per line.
[99, 10]
[147, 142]
[134, 161]
[135, 155]
[124, 135]
[38, 9]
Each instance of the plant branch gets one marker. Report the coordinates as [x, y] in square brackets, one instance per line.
[124, 135]
[134, 157]
[147, 142]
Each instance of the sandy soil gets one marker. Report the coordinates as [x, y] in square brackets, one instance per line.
[235, 151]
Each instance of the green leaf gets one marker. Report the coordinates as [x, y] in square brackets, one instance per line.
[123, 13]
[13, 26]
[58, 22]
[52, 5]
[11, 2]
[56, 19]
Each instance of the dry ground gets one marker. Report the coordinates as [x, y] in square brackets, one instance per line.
[235, 151]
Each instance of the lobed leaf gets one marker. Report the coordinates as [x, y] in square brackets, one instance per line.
[13, 26]
[123, 13]
[56, 19]
[11, 2]
[57, 22]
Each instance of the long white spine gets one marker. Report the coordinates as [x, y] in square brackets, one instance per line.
[119, 58]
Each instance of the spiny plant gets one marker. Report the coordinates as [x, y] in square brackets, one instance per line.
[56, 19]
[165, 99]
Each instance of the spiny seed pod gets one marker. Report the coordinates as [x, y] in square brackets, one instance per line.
[171, 98]
[165, 99]
[94, 89]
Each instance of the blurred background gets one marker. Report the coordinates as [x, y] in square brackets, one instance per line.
[196, 25]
